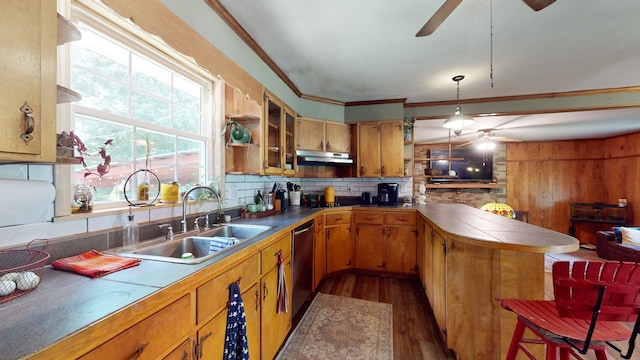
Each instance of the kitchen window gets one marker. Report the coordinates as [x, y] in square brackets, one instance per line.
[157, 109]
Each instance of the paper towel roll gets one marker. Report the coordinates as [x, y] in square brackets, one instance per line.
[25, 202]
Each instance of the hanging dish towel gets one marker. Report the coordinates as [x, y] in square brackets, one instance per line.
[236, 345]
[218, 243]
[94, 263]
[283, 300]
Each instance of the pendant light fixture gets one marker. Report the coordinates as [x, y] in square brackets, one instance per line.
[458, 120]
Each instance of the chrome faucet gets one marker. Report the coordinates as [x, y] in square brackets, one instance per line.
[184, 204]
[169, 235]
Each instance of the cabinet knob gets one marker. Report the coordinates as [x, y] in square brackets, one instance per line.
[138, 352]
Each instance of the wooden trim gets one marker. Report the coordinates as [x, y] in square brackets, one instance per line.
[244, 35]
[529, 97]
[535, 112]
[376, 102]
[324, 100]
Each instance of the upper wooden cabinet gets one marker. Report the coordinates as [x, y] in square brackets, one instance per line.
[243, 158]
[28, 101]
[279, 131]
[319, 135]
[380, 150]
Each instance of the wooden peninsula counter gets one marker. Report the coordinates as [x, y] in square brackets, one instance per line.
[468, 258]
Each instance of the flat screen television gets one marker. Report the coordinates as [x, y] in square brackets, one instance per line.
[476, 166]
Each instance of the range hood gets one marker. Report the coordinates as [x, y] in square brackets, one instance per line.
[306, 157]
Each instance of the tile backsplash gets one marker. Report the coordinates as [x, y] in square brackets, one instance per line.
[240, 189]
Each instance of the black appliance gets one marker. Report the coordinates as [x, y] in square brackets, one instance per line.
[366, 198]
[469, 165]
[302, 272]
[388, 194]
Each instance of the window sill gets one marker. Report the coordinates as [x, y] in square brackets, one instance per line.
[116, 210]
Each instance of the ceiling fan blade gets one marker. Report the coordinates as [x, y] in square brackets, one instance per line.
[443, 12]
[538, 5]
[506, 139]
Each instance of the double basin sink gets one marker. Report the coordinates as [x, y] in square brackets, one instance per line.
[196, 248]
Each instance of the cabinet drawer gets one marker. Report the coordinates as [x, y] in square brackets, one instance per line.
[182, 352]
[150, 337]
[401, 219]
[213, 295]
[369, 218]
[269, 255]
[338, 218]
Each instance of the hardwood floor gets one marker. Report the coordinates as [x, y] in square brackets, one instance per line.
[414, 333]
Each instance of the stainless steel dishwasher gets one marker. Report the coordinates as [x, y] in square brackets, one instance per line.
[302, 272]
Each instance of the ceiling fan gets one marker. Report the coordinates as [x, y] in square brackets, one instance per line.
[449, 5]
[487, 137]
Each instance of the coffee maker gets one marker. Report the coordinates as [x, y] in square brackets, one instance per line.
[388, 194]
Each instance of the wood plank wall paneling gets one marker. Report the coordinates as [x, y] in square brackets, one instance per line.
[544, 178]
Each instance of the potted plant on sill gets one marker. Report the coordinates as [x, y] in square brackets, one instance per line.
[68, 144]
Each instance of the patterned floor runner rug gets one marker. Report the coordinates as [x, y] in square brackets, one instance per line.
[336, 327]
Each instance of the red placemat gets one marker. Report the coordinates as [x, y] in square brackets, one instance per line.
[94, 263]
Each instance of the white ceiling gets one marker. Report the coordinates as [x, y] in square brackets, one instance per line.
[366, 50]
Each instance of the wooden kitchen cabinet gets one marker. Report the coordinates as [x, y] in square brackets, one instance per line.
[386, 241]
[28, 101]
[421, 253]
[152, 337]
[319, 251]
[243, 158]
[380, 151]
[182, 352]
[279, 137]
[370, 249]
[319, 135]
[211, 337]
[400, 249]
[274, 325]
[436, 276]
[213, 295]
[339, 243]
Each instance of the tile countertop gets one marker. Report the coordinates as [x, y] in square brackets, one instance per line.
[477, 227]
[66, 302]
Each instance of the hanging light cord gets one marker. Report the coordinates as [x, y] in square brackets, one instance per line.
[491, 42]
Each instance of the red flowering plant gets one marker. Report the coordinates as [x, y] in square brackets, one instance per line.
[69, 140]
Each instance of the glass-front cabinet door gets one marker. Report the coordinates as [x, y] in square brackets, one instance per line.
[290, 142]
[279, 147]
[273, 133]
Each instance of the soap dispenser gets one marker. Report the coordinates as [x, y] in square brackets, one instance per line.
[130, 233]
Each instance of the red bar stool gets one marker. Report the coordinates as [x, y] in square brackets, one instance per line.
[592, 302]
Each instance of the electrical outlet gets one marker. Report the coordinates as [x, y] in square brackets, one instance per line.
[349, 187]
